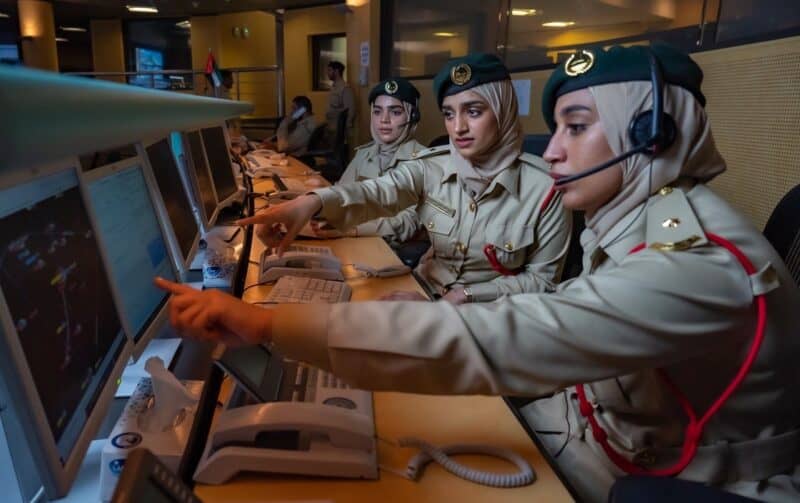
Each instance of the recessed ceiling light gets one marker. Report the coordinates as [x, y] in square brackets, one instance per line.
[184, 24]
[524, 12]
[558, 24]
[3, 14]
[72, 28]
[446, 34]
[142, 8]
[62, 39]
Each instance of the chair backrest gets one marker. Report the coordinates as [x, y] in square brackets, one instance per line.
[439, 140]
[783, 231]
[317, 139]
[535, 144]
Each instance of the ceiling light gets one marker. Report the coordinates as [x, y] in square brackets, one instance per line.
[142, 8]
[184, 24]
[62, 39]
[558, 24]
[72, 28]
[3, 14]
[523, 12]
[446, 34]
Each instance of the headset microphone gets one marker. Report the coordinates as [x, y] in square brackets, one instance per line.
[651, 132]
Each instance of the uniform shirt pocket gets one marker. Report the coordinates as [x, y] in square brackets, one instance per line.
[439, 223]
[511, 242]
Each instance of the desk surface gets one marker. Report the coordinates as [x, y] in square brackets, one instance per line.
[436, 419]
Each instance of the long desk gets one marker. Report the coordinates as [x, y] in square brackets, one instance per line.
[439, 420]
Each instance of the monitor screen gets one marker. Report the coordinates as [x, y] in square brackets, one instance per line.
[204, 182]
[220, 162]
[179, 208]
[137, 252]
[59, 299]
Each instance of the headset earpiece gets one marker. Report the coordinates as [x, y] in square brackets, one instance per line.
[641, 128]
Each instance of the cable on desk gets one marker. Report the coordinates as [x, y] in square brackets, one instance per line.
[441, 455]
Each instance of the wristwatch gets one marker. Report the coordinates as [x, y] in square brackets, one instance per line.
[468, 293]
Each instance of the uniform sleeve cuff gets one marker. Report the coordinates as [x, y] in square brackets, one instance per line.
[484, 292]
[331, 203]
[300, 331]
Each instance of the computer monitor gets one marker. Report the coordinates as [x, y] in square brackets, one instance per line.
[62, 345]
[122, 198]
[184, 234]
[197, 166]
[217, 149]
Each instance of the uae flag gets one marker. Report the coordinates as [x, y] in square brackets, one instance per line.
[212, 72]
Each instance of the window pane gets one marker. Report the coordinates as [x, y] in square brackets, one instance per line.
[742, 19]
[546, 31]
[155, 45]
[426, 34]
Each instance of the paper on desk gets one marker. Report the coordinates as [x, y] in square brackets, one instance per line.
[163, 348]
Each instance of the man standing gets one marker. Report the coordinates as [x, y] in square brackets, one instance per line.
[341, 98]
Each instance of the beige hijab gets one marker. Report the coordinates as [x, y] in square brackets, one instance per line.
[507, 145]
[693, 155]
[386, 151]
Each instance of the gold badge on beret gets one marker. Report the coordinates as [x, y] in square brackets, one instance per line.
[391, 87]
[579, 63]
[460, 74]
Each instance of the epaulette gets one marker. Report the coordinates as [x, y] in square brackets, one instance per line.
[366, 145]
[431, 151]
[535, 161]
[672, 224]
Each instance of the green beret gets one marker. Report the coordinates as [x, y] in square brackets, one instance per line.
[463, 73]
[397, 87]
[594, 67]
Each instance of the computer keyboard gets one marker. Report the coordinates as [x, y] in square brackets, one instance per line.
[298, 290]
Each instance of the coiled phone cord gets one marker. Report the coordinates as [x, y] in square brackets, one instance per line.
[441, 455]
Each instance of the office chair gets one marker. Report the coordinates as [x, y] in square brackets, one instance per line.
[330, 160]
[636, 488]
[783, 231]
[439, 140]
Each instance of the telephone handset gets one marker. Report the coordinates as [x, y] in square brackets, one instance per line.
[307, 261]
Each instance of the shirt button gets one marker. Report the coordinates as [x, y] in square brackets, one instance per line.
[645, 458]
[472, 206]
[430, 225]
[461, 247]
[509, 246]
[454, 269]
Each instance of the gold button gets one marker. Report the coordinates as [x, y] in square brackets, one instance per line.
[430, 225]
[472, 206]
[671, 223]
[645, 458]
[665, 190]
[460, 247]
[454, 269]
[509, 246]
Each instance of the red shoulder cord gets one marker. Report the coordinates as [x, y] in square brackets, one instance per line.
[694, 429]
[489, 249]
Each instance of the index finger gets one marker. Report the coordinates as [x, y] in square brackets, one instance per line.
[171, 286]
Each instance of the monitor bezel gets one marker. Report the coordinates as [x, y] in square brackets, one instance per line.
[237, 195]
[183, 264]
[158, 321]
[207, 221]
[56, 478]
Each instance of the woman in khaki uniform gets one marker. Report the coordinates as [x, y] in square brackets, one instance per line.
[683, 323]
[394, 105]
[494, 224]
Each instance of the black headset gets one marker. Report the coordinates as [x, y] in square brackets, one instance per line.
[651, 132]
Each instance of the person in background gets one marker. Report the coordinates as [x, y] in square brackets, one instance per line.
[340, 98]
[673, 354]
[394, 105]
[294, 131]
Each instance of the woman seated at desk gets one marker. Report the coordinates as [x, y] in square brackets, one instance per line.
[494, 224]
[684, 321]
[294, 131]
[394, 105]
